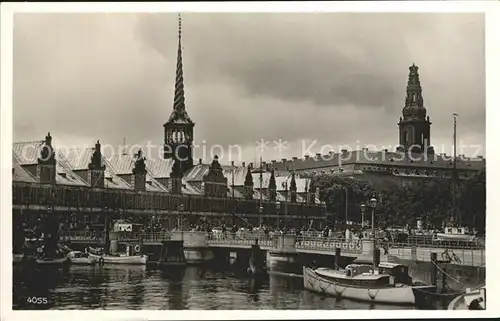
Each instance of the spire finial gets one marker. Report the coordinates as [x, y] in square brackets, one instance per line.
[179, 17]
[179, 106]
[179, 100]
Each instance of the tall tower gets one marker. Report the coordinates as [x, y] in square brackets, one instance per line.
[415, 125]
[178, 129]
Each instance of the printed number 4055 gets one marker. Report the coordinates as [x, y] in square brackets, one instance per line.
[37, 300]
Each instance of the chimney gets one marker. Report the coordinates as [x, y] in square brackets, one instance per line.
[331, 152]
[344, 151]
[294, 158]
[318, 155]
[385, 150]
[273, 161]
[243, 164]
[200, 161]
[232, 163]
[306, 156]
[283, 160]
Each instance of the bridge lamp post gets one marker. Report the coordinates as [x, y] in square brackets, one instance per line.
[363, 208]
[373, 204]
[261, 209]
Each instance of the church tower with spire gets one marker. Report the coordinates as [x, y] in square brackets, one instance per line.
[414, 125]
[178, 130]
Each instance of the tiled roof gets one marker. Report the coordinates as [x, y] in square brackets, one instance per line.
[79, 158]
[19, 174]
[376, 158]
[113, 180]
[124, 164]
[65, 174]
[27, 154]
[159, 168]
[188, 188]
[196, 173]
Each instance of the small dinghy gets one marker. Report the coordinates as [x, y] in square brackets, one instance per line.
[388, 284]
[53, 261]
[80, 258]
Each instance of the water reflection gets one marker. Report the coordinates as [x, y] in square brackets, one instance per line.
[135, 287]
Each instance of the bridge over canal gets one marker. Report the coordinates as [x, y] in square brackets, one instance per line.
[354, 248]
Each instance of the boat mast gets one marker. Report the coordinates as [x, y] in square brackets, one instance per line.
[260, 193]
[453, 177]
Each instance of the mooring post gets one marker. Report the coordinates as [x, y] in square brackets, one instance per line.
[434, 269]
[337, 257]
[376, 257]
[443, 287]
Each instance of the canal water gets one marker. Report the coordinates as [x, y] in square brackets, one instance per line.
[140, 287]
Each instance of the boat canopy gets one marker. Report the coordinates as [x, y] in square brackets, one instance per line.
[389, 265]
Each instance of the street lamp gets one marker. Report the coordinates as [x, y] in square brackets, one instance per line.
[363, 208]
[261, 209]
[373, 204]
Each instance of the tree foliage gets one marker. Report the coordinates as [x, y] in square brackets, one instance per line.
[403, 203]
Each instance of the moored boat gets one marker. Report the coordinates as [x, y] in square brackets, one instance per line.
[388, 284]
[80, 258]
[460, 234]
[472, 299]
[119, 258]
[52, 261]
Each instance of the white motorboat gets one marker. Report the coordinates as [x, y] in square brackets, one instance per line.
[80, 258]
[460, 234]
[119, 258]
[389, 283]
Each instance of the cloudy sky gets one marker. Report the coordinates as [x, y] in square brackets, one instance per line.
[335, 78]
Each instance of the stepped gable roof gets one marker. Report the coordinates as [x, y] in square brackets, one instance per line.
[27, 154]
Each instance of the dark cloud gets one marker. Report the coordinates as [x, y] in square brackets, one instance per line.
[335, 77]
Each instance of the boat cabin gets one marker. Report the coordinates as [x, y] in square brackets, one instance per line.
[357, 275]
[456, 230]
[77, 255]
[398, 271]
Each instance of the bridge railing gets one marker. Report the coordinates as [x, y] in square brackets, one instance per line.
[329, 244]
[114, 199]
[235, 240]
[437, 244]
[80, 236]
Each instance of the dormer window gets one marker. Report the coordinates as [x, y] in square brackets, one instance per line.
[449, 230]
